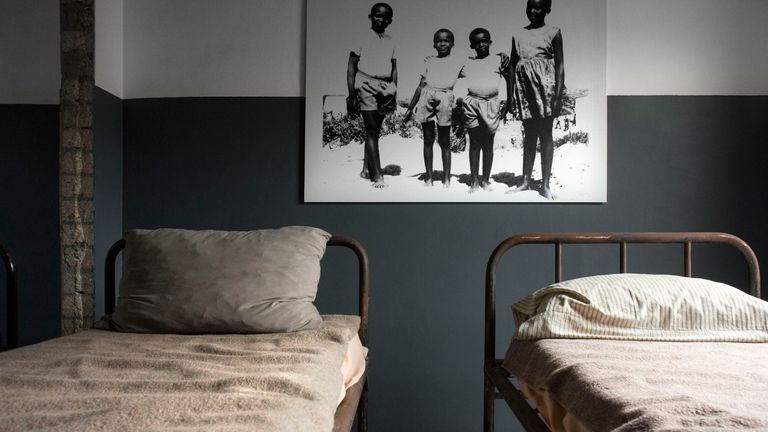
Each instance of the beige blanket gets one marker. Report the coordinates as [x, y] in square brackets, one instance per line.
[101, 380]
[647, 386]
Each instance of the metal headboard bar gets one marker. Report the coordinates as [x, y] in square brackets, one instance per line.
[621, 238]
[362, 259]
[109, 275]
[11, 300]
[687, 239]
[362, 275]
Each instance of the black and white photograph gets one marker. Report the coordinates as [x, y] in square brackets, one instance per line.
[454, 101]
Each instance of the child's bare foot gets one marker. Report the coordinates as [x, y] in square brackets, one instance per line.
[447, 183]
[524, 186]
[364, 174]
[474, 188]
[380, 183]
[428, 182]
[546, 192]
[486, 186]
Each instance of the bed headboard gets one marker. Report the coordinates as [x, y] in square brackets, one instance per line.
[622, 240]
[337, 240]
[11, 302]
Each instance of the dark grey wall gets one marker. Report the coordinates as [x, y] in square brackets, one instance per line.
[108, 182]
[29, 214]
[674, 163]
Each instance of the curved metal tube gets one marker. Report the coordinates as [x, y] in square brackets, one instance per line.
[12, 300]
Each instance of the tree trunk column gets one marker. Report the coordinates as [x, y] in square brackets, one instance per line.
[76, 173]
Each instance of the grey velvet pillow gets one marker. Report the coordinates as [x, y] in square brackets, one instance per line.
[184, 281]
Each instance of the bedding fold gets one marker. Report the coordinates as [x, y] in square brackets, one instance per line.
[102, 380]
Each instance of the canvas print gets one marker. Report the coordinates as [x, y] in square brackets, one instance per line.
[455, 101]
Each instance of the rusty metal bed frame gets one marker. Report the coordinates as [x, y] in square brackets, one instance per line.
[11, 302]
[355, 403]
[497, 384]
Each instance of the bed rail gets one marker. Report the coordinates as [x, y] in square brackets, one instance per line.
[495, 377]
[11, 302]
[337, 240]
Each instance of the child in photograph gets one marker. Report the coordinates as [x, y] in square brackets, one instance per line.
[435, 99]
[535, 89]
[483, 109]
[371, 85]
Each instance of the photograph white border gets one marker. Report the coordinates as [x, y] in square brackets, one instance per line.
[332, 170]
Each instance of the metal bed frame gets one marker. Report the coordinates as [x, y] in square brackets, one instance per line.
[356, 399]
[497, 384]
[11, 302]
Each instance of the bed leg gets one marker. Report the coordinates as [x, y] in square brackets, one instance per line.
[362, 409]
[489, 397]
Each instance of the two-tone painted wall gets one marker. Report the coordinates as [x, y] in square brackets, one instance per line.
[29, 161]
[29, 152]
[207, 107]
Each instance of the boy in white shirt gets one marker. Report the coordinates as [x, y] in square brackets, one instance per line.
[372, 85]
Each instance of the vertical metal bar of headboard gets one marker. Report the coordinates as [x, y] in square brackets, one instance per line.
[362, 258]
[558, 261]
[489, 390]
[490, 310]
[688, 261]
[623, 257]
[109, 276]
[12, 300]
[363, 270]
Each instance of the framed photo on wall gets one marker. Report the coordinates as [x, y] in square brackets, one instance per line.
[456, 101]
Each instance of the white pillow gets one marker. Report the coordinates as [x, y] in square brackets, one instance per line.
[642, 307]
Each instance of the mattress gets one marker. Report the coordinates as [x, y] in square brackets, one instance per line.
[648, 385]
[102, 380]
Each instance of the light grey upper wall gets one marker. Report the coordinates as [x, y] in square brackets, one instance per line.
[254, 47]
[213, 48]
[109, 45]
[29, 52]
[687, 47]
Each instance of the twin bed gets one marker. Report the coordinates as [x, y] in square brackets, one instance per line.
[620, 351]
[631, 352]
[312, 376]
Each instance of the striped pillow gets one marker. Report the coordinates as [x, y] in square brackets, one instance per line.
[642, 307]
